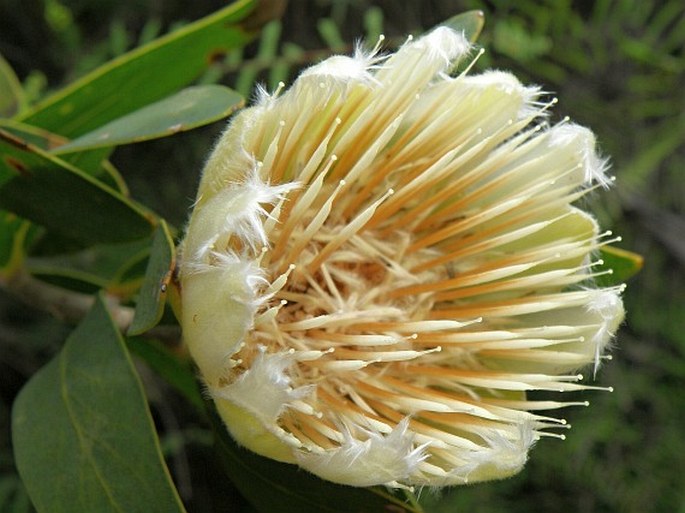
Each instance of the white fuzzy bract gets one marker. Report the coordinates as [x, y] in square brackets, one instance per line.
[385, 258]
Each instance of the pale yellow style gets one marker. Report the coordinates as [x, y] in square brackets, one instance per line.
[385, 258]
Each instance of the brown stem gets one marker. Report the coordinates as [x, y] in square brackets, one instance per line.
[70, 307]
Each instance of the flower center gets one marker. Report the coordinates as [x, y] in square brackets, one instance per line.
[337, 315]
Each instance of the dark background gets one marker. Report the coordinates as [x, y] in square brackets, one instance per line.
[616, 66]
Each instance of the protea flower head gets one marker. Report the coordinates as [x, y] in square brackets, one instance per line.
[385, 258]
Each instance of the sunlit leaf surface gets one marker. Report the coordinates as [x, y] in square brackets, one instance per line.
[188, 109]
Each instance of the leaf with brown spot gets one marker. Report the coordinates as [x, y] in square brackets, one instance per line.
[65, 200]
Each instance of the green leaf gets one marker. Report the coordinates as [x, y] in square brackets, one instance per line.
[96, 164]
[50, 192]
[93, 162]
[273, 486]
[13, 496]
[37, 136]
[185, 110]
[103, 266]
[373, 23]
[152, 297]
[13, 234]
[145, 74]
[470, 23]
[513, 39]
[174, 368]
[622, 263]
[83, 436]
[11, 93]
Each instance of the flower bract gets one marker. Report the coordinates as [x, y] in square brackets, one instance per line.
[386, 258]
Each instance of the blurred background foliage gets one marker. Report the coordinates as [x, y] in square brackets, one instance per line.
[616, 65]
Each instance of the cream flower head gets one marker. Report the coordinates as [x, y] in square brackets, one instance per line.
[384, 259]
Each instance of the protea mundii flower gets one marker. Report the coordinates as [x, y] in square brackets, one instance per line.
[385, 258]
